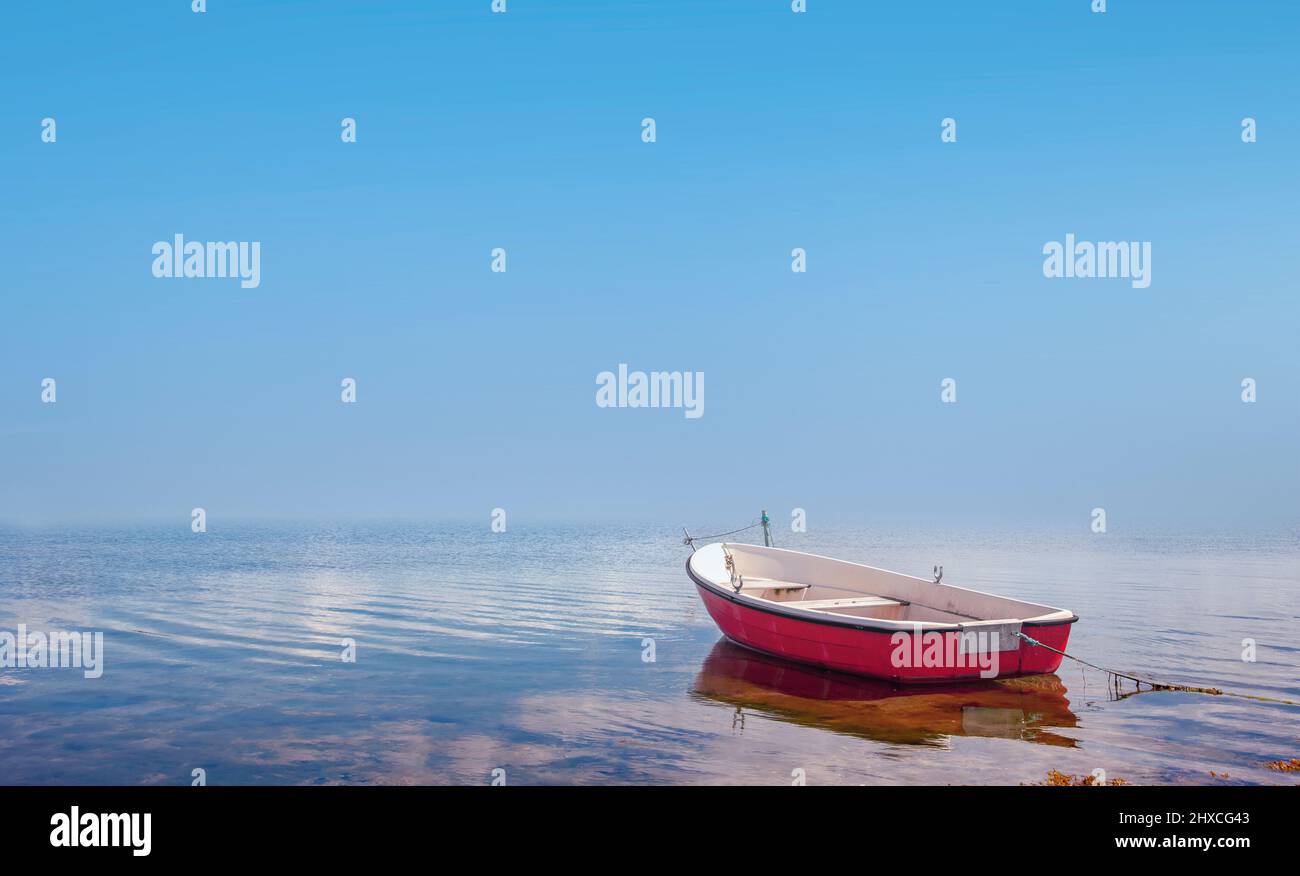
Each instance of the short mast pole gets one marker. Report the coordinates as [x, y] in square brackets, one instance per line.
[767, 532]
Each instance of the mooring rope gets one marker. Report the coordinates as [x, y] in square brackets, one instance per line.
[690, 540]
[1155, 685]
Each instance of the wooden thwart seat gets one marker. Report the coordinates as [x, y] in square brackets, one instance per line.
[854, 602]
[748, 583]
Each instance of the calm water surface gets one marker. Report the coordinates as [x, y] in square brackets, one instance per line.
[524, 651]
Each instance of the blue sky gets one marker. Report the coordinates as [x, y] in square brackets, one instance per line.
[775, 130]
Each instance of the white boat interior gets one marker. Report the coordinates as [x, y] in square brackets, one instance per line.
[800, 583]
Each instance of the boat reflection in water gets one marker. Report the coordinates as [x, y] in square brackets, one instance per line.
[1009, 708]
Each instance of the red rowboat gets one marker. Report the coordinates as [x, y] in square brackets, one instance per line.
[866, 621]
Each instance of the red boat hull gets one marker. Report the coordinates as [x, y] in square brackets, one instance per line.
[847, 648]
